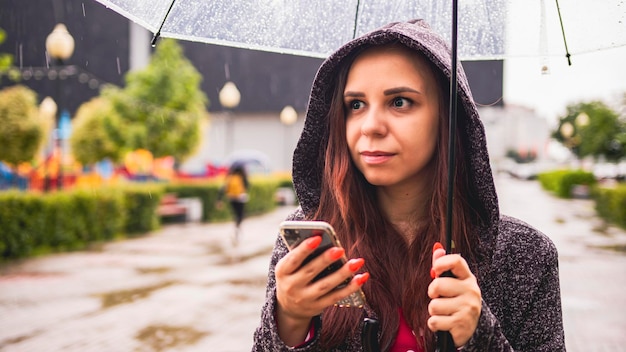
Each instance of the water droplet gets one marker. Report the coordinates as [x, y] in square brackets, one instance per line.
[119, 69]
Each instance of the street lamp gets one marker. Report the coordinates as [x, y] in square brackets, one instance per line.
[60, 46]
[47, 113]
[229, 98]
[288, 116]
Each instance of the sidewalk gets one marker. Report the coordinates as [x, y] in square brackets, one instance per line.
[185, 288]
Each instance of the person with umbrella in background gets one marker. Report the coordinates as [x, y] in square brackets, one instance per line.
[235, 189]
[371, 161]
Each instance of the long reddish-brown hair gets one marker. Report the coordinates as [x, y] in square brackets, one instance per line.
[400, 272]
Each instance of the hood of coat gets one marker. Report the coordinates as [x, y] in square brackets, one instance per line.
[309, 153]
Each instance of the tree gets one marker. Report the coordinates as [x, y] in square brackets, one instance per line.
[6, 60]
[96, 132]
[21, 129]
[592, 129]
[163, 104]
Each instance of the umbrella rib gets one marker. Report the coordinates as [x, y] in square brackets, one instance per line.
[356, 19]
[567, 54]
[158, 33]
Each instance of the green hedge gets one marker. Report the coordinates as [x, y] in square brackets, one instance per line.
[262, 197]
[57, 221]
[32, 223]
[141, 202]
[560, 182]
[611, 203]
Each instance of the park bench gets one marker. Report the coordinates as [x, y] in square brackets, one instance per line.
[172, 208]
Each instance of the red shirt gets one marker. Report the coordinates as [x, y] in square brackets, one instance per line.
[405, 339]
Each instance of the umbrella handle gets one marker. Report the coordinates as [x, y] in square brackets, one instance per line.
[369, 335]
[445, 343]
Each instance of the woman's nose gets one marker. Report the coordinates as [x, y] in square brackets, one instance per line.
[374, 123]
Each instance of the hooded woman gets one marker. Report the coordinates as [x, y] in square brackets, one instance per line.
[372, 162]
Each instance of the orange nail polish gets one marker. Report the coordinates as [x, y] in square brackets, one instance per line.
[437, 246]
[362, 278]
[356, 264]
[335, 253]
[433, 274]
[313, 242]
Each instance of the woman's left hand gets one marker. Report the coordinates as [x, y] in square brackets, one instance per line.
[456, 301]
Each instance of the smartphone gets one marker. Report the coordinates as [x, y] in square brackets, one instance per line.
[294, 232]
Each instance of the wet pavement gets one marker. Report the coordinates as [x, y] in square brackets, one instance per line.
[187, 288]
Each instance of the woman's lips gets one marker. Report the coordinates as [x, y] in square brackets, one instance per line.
[375, 157]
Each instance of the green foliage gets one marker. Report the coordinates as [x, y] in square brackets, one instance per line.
[6, 60]
[33, 223]
[262, 194]
[611, 204]
[262, 197]
[97, 132]
[163, 104]
[57, 221]
[561, 182]
[21, 130]
[141, 204]
[596, 130]
[207, 192]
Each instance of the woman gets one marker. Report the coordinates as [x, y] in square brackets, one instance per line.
[236, 190]
[372, 161]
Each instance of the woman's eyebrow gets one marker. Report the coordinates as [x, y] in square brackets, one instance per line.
[353, 94]
[397, 90]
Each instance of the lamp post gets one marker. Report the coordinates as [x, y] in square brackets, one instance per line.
[60, 46]
[48, 112]
[229, 97]
[288, 116]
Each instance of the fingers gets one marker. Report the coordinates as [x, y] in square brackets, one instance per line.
[294, 259]
[452, 262]
[305, 290]
[456, 301]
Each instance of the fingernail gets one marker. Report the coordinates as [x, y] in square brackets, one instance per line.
[335, 253]
[433, 274]
[362, 278]
[437, 246]
[313, 242]
[355, 264]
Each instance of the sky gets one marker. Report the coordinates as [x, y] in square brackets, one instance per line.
[599, 75]
[534, 27]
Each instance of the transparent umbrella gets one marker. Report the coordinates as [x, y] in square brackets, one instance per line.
[487, 28]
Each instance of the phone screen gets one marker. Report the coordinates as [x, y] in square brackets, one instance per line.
[294, 232]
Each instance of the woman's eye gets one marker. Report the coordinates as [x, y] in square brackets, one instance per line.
[356, 104]
[400, 102]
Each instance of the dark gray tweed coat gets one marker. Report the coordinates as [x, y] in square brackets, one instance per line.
[518, 268]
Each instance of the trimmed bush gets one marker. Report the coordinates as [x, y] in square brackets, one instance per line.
[32, 223]
[561, 182]
[58, 221]
[611, 204]
[141, 202]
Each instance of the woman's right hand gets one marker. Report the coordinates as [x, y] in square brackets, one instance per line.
[299, 299]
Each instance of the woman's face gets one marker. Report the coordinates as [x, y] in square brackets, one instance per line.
[392, 103]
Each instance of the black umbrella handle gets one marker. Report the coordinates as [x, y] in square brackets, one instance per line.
[369, 335]
[445, 343]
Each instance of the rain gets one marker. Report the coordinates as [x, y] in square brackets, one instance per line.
[81, 253]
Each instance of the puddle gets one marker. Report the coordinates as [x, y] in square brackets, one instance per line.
[236, 258]
[115, 298]
[620, 248]
[165, 337]
[157, 270]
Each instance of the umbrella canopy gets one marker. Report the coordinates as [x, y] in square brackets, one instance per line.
[486, 28]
